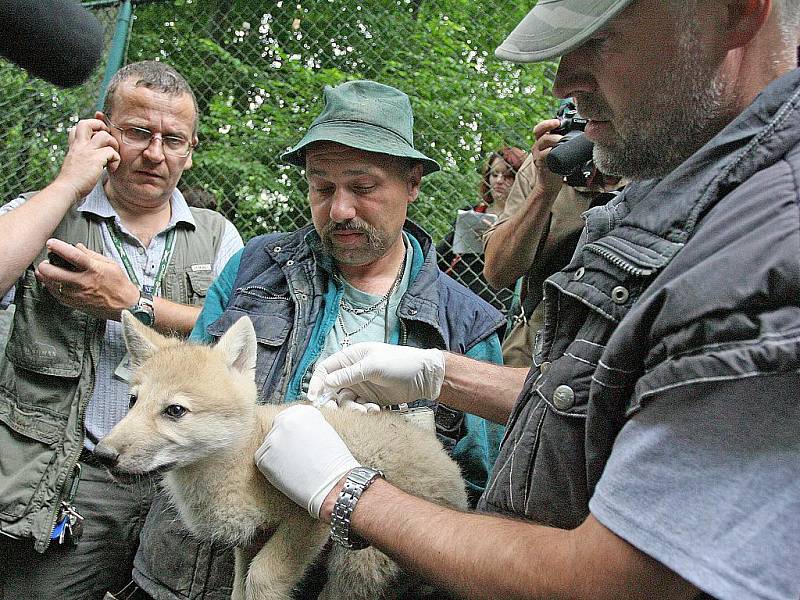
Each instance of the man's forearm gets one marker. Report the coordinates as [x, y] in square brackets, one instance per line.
[484, 389]
[172, 317]
[24, 230]
[511, 249]
[482, 556]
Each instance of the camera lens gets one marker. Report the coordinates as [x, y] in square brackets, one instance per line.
[572, 152]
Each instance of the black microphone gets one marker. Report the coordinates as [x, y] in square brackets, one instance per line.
[57, 40]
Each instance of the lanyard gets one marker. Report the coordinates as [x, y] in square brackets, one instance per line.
[169, 246]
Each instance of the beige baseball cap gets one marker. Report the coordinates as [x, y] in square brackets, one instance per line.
[555, 27]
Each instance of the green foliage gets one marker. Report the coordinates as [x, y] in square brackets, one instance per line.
[34, 117]
[259, 68]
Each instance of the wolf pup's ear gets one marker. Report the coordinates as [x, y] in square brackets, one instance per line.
[141, 341]
[239, 346]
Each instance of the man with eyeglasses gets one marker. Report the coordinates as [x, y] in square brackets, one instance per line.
[110, 233]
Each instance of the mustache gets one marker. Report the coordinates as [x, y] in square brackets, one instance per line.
[354, 224]
[592, 107]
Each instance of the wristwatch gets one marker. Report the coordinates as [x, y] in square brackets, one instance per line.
[144, 309]
[357, 481]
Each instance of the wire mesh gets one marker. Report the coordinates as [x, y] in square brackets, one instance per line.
[258, 70]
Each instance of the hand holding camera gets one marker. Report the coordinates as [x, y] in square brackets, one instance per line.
[572, 155]
[546, 179]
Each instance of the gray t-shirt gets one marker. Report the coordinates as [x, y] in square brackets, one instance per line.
[703, 486]
[371, 326]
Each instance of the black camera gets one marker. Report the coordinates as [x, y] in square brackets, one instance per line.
[572, 156]
[571, 121]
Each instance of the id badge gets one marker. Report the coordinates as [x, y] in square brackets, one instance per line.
[124, 371]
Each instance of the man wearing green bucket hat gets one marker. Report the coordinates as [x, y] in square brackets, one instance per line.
[652, 451]
[361, 273]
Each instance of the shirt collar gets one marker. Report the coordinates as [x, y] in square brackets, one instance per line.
[97, 203]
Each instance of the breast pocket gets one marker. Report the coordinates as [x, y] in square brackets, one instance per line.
[272, 317]
[198, 284]
[555, 471]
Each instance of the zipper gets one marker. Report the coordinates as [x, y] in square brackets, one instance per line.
[287, 368]
[620, 262]
[246, 291]
[297, 299]
[73, 462]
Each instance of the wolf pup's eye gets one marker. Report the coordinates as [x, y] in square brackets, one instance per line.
[176, 411]
[131, 400]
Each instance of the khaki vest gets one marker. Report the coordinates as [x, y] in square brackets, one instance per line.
[48, 371]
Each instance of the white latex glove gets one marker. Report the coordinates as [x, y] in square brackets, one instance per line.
[304, 457]
[346, 399]
[380, 373]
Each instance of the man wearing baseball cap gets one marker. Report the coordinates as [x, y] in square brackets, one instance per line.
[653, 450]
[360, 274]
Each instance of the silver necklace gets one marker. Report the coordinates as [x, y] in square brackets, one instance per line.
[384, 301]
[355, 310]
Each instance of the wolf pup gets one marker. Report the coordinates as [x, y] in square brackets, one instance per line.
[194, 417]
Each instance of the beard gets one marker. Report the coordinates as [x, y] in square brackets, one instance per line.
[677, 112]
[374, 247]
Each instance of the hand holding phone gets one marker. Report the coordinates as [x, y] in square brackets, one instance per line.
[59, 261]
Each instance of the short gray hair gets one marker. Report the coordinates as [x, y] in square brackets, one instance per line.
[153, 75]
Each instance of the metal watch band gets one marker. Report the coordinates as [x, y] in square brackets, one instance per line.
[146, 299]
[358, 480]
[144, 309]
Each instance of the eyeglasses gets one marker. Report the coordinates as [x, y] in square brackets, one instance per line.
[141, 138]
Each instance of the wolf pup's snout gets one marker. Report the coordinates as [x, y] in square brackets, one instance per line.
[105, 455]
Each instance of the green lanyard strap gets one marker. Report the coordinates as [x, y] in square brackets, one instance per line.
[169, 247]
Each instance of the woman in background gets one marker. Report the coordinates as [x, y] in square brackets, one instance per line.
[462, 258]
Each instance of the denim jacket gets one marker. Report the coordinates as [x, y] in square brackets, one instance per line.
[283, 286]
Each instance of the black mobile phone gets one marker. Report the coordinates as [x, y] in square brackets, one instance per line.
[59, 261]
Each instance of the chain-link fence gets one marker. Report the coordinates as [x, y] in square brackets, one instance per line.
[258, 70]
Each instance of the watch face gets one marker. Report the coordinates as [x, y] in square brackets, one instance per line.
[144, 316]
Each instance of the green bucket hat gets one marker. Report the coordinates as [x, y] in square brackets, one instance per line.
[555, 27]
[365, 115]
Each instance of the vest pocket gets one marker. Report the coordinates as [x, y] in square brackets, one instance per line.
[29, 447]
[541, 469]
[272, 318]
[47, 338]
[199, 282]
[565, 387]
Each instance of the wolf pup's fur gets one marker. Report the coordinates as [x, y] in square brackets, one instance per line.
[195, 418]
